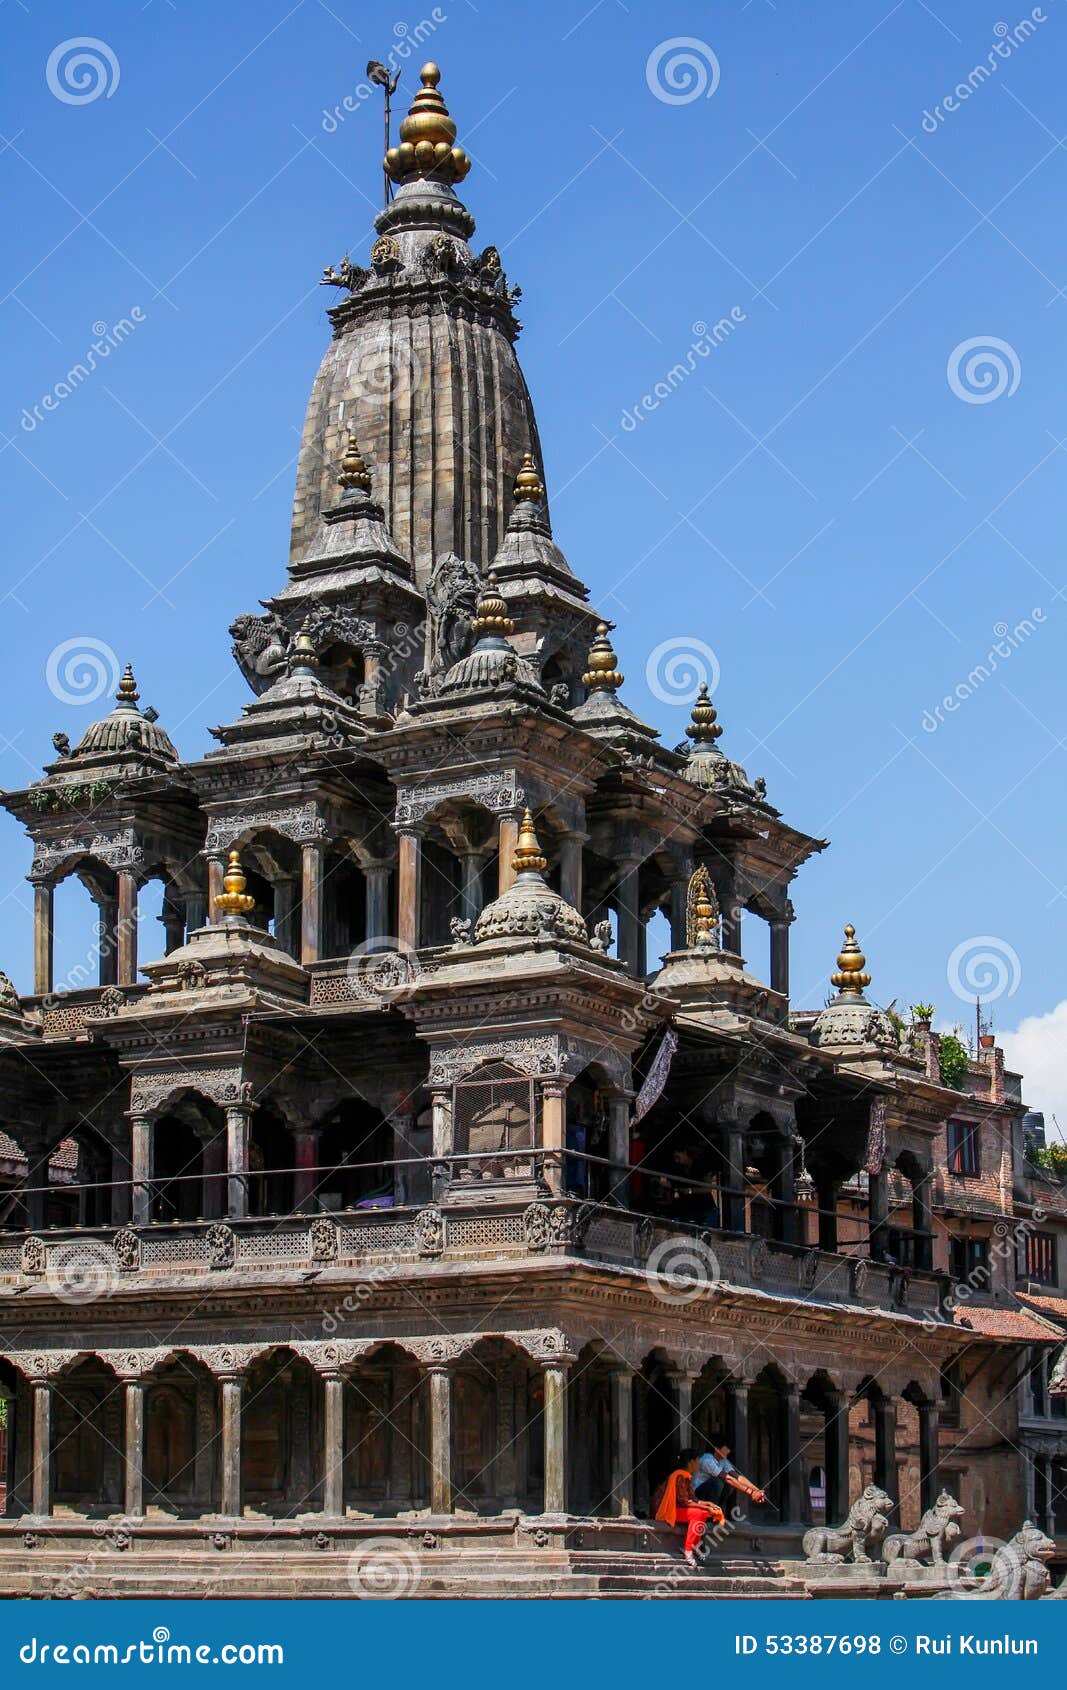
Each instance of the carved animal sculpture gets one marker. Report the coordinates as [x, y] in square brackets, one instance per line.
[1019, 1572]
[259, 645]
[938, 1530]
[862, 1534]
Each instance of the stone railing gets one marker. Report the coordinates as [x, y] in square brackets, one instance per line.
[99, 1262]
[63, 1015]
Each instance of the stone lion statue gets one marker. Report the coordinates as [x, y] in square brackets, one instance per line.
[862, 1534]
[1019, 1571]
[938, 1530]
[259, 645]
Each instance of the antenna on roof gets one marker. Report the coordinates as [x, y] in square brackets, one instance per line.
[377, 72]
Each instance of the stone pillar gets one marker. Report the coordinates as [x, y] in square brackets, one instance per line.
[471, 890]
[121, 1208]
[41, 1488]
[311, 900]
[230, 1385]
[305, 1160]
[237, 1162]
[409, 891]
[36, 1186]
[286, 903]
[216, 872]
[508, 837]
[215, 1183]
[622, 1447]
[554, 1133]
[885, 1447]
[629, 917]
[134, 1449]
[127, 928]
[679, 914]
[173, 919]
[780, 956]
[837, 1497]
[106, 926]
[333, 1497]
[570, 869]
[141, 1128]
[737, 1436]
[730, 904]
[733, 1206]
[555, 1379]
[376, 876]
[195, 911]
[796, 1497]
[878, 1214]
[929, 1454]
[923, 1222]
[43, 936]
[619, 1110]
[784, 1189]
[440, 1440]
[826, 1198]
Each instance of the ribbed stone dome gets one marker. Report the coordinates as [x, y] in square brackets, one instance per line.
[530, 909]
[126, 731]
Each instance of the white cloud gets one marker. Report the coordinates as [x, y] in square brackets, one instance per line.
[1038, 1051]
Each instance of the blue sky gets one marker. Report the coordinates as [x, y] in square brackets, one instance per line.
[837, 501]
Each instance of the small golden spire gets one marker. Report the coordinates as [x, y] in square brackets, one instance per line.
[529, 857]
[702, 911]
[233, 899]
[491, 615]
[528, 484]
[354, 472]
[302, 654]
[703, 727]
[602, 675]
[850, 961]
[426, 138]
[127, 693]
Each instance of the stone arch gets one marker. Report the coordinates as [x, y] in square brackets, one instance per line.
[768, 1442]
[386, 1432]
[281, 1431]
[181, 1450]
[656, 1426]
[87, 1436]
[591, 1430]
[911, 1245]
[497, 1429]
[188, 1157]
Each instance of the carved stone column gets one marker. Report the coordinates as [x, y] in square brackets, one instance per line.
[141, 1133]
[885, 1447]
[440, 1439]
[554, 1131]
[334, 1445]
[311, 900]
[305, 1160]
[737, 1435]
[41, 1489]
[286, 904]
[377, 876]
[682, 1386]
[43, 936]
[619, 1110]
[629, 918]
[837, 1465]
[508, 837]
[678, 914]
[733, 1205]
[230, 1388]
[622, 1448]
[472, 863]
[796, 1506]
[570, 869]
[923, 1217]
[134, 1449]
[127, 928]
[215, 1180]
[216, 872]
[107, 919]
[409, 891]
[237, 1119]
[121, 1191]
[929, 1454]
[878, 1214]
[780, 956]
[555, 1421]
[195, 911]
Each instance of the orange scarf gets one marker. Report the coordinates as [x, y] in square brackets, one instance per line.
[668, 1508]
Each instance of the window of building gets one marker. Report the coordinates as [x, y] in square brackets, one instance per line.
[968, 1261]
[1041, 1257]
[963, 1150]
[1043, 1404]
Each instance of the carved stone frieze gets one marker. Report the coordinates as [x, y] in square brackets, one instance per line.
[530, 1056]
[322, 1239]
[500, 793]
[117, 848]
[127, 1250]
[149, 1092]
[429, 1232]
[33, 1255]
[295, 821]
[222, 1246]
[535, 1224]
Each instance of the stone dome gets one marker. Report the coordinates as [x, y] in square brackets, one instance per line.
[126, 731]
[530, 909]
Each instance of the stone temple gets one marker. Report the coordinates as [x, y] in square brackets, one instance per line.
[396, 1228]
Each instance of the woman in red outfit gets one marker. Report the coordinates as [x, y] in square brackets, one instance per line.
[676, 1505]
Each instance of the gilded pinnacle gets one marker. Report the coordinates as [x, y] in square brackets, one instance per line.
[702, 926]
[602, 675]
[233, 900]
[426, 138]
[851, 980]
[354, 472]
[302, 654]
[528, 484]
[491, 615]
[703, 727]
[529, 857]
[127, 693]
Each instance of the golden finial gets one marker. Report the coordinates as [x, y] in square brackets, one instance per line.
[127, 693]
[233, 899]
[302, 654]
[426, 138]
[850, 961]
[703, 727]
[529, 857]
[701, 911]
[602, 675]
[354, 472]
[491, 615]
[528, 484]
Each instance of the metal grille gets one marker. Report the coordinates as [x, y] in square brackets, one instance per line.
[494, 1111]
[377, 1240]
[272, 1246]
[494, 1230]
[173, 1250]
[10, 1259]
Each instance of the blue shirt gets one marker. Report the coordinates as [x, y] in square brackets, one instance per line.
[711, 1467]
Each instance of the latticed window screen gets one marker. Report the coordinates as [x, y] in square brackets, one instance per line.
[494, 1111]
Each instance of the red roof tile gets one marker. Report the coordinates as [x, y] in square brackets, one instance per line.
[1014, 1325]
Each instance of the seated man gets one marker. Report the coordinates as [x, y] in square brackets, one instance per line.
[714, 1471]
[674, 1504]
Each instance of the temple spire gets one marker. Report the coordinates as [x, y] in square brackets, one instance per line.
[491, 619]
[851, 980]
[529, 857]
[427, 135]
[234, 902]
[528, 485]
[704, 728]
[602, 675]
[127, 693]
[354, 475]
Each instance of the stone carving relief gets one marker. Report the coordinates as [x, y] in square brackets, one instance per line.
[127, 1251]
[451, 596]
[260, 645]
[500, 793]
[429, 1232]
[33, 1255]
[117, 848]
[222, 1246]
[530, 1056]
[322, 1240]
[296, 821]
[222, 1085]
[535, 1223]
